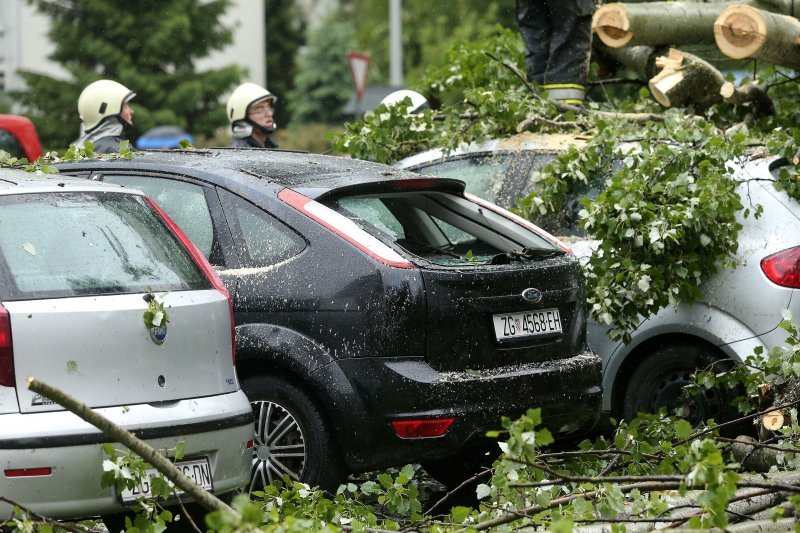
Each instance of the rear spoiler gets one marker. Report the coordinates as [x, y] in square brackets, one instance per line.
[389, 185]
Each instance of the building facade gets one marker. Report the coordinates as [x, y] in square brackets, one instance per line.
[24, 44]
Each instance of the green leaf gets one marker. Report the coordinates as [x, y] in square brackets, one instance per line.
[180, 450]
[460, 514]
[683, 429]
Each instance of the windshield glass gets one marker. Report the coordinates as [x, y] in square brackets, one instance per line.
[443, 228]
[483, 175]
[81, 244]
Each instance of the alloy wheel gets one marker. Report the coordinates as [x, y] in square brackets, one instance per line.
[280, 447]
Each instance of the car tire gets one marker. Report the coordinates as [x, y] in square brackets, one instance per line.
[287, 417]
[659, 379]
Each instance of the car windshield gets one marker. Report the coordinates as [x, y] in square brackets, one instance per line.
[81, 244]
[483, 175]
[444, 229]
[505, 177]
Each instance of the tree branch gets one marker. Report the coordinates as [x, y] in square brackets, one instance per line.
[127, 439]
[578, 110]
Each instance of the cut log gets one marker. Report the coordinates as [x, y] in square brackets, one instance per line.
[773, 420]
[640, 59]
[655, 23]
[748, 94]
[663, 23]
[743, 31]
[686, 79]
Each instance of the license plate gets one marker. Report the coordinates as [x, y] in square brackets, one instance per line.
[526, 324]
[197, 470]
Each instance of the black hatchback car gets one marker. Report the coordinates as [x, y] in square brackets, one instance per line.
[382, 317]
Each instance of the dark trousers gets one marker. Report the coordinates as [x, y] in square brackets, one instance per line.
[558, 39]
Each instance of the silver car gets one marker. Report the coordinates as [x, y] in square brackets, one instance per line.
[740, 309]
[79, 263]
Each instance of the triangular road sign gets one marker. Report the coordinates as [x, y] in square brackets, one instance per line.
[358, 68]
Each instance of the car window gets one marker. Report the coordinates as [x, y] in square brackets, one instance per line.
[10, 143]
[482, 174]
[265, 240]
[184, 202]
[442, 228]
[80, 244]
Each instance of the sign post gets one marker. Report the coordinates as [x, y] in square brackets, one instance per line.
[358, 68]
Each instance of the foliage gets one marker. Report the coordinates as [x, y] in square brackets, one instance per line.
[429, 29]
[44, 164]
[286, 34]
[96, 39]
[666, 220]
[656, 468]
[666, 217]
[323, 82]
[155, 315]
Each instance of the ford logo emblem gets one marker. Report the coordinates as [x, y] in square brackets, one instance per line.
[532, 295]
[158, 334]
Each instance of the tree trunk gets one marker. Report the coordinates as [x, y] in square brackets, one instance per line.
[743, 31]
[686, 79]
[663, 23]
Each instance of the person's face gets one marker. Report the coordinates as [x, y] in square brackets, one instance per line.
[127, 113]
[261, 113]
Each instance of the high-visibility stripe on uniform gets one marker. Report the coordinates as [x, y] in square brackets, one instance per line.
[564, 86]
[570, 93]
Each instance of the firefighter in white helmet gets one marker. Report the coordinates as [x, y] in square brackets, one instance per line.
[250, 114]
[418, 102]
[106, 115]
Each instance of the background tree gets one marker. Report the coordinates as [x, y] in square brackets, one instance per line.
[150, 46]
[323, 82]
[429, 30]
[286, 34]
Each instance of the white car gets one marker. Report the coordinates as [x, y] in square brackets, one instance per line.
[79, 263]
[740, 309]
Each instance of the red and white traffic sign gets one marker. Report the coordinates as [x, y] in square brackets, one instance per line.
[358, 68]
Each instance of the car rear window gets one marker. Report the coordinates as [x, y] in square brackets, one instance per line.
[81, 244]
[444, 229]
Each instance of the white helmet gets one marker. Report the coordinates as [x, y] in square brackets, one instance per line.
[101, 99]
[243, 97]
[418, 102]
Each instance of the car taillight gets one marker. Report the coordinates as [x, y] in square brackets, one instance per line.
[419, 429]
[783, 268]
[345, 228]
[527, 224]
[202, 262]
[6, 350]
[28, 472]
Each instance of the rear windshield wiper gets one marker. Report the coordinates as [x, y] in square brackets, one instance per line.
[532, 254]
[429, 248]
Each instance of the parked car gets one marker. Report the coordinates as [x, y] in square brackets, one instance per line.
[18, 137]
[78, 262]
[381, 318]
[740, 309]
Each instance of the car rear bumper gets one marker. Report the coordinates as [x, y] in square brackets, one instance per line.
[216, 427]
[380, 391]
